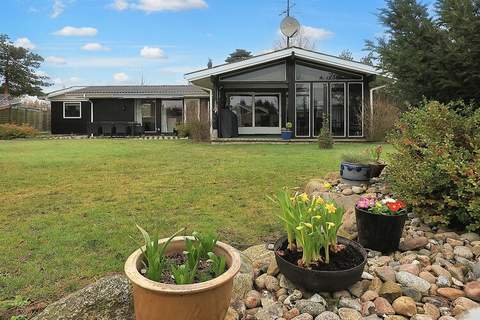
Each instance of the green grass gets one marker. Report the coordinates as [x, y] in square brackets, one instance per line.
[69, 208]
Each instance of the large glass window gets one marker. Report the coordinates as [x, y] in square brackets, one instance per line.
[172, 114]
[242, 107]
[148, 115]
[302, 109]
[309, 73]
[337, 106]
[320, 106]
[270, 73]
[72, 110]
[266, 111]
[355, 109]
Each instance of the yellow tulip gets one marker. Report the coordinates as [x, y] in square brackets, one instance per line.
[327, 186]
[330, 225]
[330, 208]
[319, 201]
[303, 197]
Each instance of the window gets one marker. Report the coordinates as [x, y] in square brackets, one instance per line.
[302, 109]
[320, 106]
[355, 109]
[269, 73]
[192, 110]
[307, 73]
[148, 115]
[337, 106]
[72, 110]
[172, 114]
[242, 107]
[266, 111]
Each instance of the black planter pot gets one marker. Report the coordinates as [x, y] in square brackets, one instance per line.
[376, 169]
[379, 232]
[355, 172]
[318, 281]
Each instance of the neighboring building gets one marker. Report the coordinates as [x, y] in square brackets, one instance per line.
[103, 109]
[264, 92]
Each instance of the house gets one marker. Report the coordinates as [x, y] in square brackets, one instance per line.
[124, 110]
[264, 92]
[291, 85]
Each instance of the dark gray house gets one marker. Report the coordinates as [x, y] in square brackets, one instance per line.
[264, 92]
[126, 110]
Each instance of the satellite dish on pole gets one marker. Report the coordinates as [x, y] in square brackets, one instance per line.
[289, 26]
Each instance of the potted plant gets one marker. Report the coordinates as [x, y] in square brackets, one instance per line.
[311, 255]
[376, 164]
[380, 222]
[355, 168]
[287, 131]
[182, 277]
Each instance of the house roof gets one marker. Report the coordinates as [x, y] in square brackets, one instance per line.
[160, 91]
[314, 56]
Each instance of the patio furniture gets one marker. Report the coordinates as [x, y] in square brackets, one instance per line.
[121, 128]
[107, 129]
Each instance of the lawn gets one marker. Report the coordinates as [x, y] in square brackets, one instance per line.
[69, 207]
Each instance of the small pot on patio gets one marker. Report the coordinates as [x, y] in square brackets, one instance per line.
[376, 165]
[380, 223]
[207, 300]
[312, 256]
[287, 131]
[354, 169]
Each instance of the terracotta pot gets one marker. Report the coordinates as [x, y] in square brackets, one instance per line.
[201, 301]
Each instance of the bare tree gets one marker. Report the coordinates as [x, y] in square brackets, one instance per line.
[298, 40]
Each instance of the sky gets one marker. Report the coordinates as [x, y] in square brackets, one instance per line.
[114, 42]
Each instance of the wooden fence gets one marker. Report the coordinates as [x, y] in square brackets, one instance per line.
[37, 117]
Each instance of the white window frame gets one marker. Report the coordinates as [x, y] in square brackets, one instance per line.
[72, 103]
[363, 110]
[309, 108]
[345, 107]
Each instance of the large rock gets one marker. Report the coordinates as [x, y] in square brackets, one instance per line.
[348, 228]
[405, 306]
[107, 299]
[413, 243]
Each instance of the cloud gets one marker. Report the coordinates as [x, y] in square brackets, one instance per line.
[168, 5]
[55, 60]
[120, 77]
[94, 46]
[316, 33]
[152, 53]
[24, 43]
[69, 31]
[119, 5]
[57, 10]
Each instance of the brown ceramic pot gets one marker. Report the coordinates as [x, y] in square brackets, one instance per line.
[200, 301]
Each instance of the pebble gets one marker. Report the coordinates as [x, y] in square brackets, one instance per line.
[253, 299]
[327, 315]
[383, 307]
[463, 251]
[443, 282]
[405, 306]
[349, 314]
[450, 293]
[472, 290]
[271, 283]
[431, 310]
[413, 244]
[303, 316]
[427, 276]
[347, 192]
[350, 303]
[386, 273]
[409, 280]
[390, 291]
[369, 295]
[313, 308]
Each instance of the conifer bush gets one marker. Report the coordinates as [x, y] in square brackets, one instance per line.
[436, 168]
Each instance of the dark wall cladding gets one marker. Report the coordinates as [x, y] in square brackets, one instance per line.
[113, 110]
[69, 126]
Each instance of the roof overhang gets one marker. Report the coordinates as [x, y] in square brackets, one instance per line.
[313, 56]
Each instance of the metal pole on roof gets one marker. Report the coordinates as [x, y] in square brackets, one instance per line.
[288, 15]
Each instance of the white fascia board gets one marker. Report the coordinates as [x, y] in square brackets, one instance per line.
[301, 53]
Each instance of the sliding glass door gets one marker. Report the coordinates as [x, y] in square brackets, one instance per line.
[302, 109]
[320, 106]
[172, 115]
[147, 108]
[257, 113]
[337, 109]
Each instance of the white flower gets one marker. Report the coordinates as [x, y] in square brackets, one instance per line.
[388, 200]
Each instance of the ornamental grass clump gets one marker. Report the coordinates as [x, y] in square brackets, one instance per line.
[312, 224]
